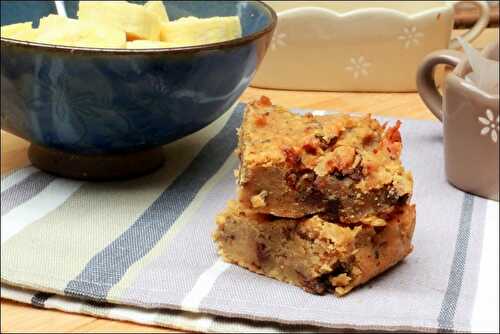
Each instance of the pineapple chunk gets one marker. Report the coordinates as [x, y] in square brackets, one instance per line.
[145, 44]
[10, 30]
[19, 31]
[195, 31]
[135, 20]
[60, 30]
[53, 21]
[157, 8]
[30, 35]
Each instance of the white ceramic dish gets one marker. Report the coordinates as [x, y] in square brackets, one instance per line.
[357, 45]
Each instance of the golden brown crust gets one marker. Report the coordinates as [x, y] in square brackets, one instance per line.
[312, 253]
[312, 164]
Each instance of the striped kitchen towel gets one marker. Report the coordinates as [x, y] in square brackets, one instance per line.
[141, 250]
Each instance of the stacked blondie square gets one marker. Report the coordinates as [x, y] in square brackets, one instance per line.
[323, 201]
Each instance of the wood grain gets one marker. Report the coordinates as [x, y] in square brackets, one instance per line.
[467, 14]
[17, 317]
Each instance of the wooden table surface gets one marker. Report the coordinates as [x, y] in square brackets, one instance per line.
[467, 14]
[17, 317]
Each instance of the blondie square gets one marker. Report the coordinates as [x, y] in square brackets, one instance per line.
[347, 169]
[314, 254]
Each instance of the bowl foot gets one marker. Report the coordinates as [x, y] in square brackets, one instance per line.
[96, 167]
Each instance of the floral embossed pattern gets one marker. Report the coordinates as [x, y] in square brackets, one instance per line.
[410, 36]
[359, 66]
[490, 125]
[278, 40]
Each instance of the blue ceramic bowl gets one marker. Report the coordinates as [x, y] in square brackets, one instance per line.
[104, 101]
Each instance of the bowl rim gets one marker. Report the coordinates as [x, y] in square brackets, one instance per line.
[175, 50]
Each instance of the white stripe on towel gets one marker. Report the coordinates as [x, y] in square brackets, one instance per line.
[16, 177]
[203, 286]
[20, 295]
[197, 322]
[63, 304]
[486, 308]
[49, 199]
[129, 313]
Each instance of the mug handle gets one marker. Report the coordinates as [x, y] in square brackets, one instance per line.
[426, 85]
[479, 26]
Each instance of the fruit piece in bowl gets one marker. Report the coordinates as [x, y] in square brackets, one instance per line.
[196, 31]
[59, 30]
[137, 21]
[111, 24]
[21, 31]
[158, 9]
[109, 107]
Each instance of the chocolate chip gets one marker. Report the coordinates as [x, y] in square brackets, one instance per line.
[339, 269]
[357, 174]
[332, 212]
[402, 200]
[305, 182]
[262, 253]
[288, 231]
[302, 180]
[317, 286]
[304, 235]
[291, 180]
[325, 144]
[338, 175]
